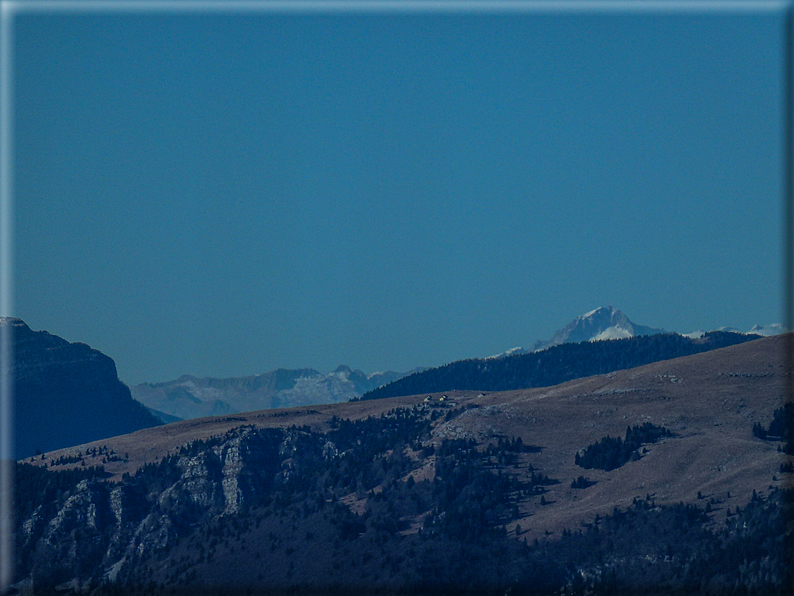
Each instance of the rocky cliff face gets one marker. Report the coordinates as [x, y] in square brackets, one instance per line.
[75, 533]
[66, 393]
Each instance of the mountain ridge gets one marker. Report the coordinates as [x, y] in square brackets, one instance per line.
[555, 364]
[445, 479]
[607, 322]
[195, 397]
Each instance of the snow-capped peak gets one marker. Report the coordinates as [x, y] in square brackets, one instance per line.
[598, 324]
[606, 322]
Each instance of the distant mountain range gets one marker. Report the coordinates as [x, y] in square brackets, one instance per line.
[470, 493]
[762, 330]
[607, 322]
[66, 393]
[192, 397]
[195, 397]
[69, 393]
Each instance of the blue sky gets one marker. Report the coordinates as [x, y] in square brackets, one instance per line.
[225, 194]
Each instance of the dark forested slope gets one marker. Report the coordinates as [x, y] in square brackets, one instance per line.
[555, 365]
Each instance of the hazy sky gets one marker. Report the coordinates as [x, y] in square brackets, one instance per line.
[225, 194]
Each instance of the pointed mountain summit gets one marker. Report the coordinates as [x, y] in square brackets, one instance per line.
[601, 323]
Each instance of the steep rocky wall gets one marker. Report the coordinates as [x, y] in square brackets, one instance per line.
[95, 531]
[66, 394]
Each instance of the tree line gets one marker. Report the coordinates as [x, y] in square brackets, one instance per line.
[554, 365]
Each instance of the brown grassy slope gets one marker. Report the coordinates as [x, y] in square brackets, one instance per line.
[710, 401]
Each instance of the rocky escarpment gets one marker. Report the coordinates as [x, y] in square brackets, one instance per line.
[76, 530]
[66, 393]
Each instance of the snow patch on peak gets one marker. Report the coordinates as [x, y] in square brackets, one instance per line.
[694, 334]
[767, 330]
[342, 370]
[614, 332]
[729, 329]
[511, 352]
[763, 330]
[13, 321]
[601, 311]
